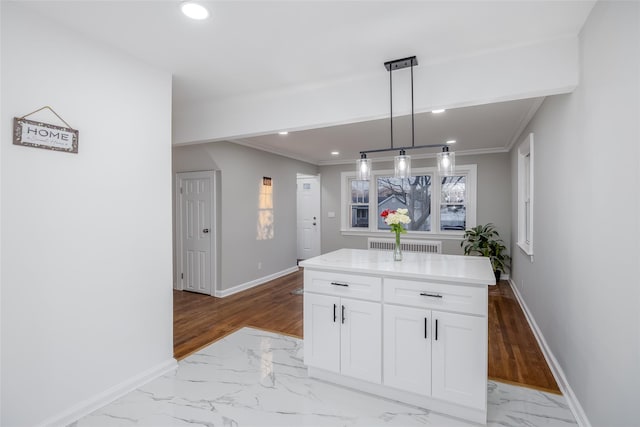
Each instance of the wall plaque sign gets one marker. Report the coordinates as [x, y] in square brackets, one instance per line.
[43, 135]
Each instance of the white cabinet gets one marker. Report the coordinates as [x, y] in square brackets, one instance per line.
[414, 331]
[322, 332]
[407, 349]
[459, 359]
[343, 335]
[435, 354]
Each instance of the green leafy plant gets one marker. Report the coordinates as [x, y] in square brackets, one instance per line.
[484, 240]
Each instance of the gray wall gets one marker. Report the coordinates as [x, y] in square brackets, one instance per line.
[240, 173]
[582, 288]
[493, 205]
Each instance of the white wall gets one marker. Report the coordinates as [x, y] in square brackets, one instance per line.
[493, 199]
[541, 69]
[582, 288]
[241, 171]
[86, 238]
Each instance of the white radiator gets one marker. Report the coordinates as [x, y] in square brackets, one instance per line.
[427, 246]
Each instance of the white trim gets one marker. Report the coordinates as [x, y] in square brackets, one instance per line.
[468, 170]
[525, 149]
[416, 235]
[525, 121]
[253, 283]
[100, 400]
[556, 369]
[473, 152]
[267, 149]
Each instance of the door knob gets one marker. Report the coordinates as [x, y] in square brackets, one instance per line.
[205, 231]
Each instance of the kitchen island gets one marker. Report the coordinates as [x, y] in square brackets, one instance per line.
[413, 330]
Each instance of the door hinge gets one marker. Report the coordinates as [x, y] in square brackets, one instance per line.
[180, 190]
[182, 275]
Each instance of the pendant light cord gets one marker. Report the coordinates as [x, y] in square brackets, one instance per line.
[412, 126]
[391, 101]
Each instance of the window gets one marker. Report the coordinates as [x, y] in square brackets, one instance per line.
[412, 193]
[359, 205]
[436, 205]
[525, 195]
[453, 209]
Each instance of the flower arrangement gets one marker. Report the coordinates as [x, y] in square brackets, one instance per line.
[396, 219]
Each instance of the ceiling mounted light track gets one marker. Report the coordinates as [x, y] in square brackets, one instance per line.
[402, 162]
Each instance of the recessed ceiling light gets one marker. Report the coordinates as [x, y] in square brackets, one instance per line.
[442, 110]
[451, 141]
[335, 153]
[283, 133]
[194, 10]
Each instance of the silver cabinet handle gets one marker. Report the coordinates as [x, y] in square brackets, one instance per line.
[424, 294]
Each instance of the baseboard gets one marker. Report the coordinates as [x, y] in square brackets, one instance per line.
[248, 285]
[556, 369]
[100, 400]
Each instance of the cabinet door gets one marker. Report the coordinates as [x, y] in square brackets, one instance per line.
[322, 331]
[407, 349]
[459, 359]
[361, 340]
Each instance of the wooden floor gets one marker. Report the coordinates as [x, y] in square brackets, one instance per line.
[199, 319]
[514, 355]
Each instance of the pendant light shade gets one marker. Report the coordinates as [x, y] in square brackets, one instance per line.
[363, 168]
[402, 165]
[446, 162]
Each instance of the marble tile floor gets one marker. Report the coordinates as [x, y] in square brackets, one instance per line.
[257, 378]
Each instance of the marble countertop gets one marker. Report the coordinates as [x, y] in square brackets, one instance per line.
[451, 268]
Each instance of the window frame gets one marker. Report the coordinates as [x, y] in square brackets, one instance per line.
[525, 188]
[469, 171]
[351, 204]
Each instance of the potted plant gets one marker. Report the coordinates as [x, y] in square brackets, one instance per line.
[484, 240]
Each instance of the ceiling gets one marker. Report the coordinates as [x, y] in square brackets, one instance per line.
[252, 47]
[479, 129]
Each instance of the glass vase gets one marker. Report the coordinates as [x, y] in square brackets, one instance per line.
[397, 251]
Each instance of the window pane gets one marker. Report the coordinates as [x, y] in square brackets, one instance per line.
[359, 216]
[527, 222]
[412, 193]
[453, 189]
[359, 191]
[453, 217]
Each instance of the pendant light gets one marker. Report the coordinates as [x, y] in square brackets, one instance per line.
[402, 165]
[402, 162]
[363, 170]
[446, 162]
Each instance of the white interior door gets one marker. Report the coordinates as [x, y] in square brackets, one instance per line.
[308, 229]
[195, 230]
